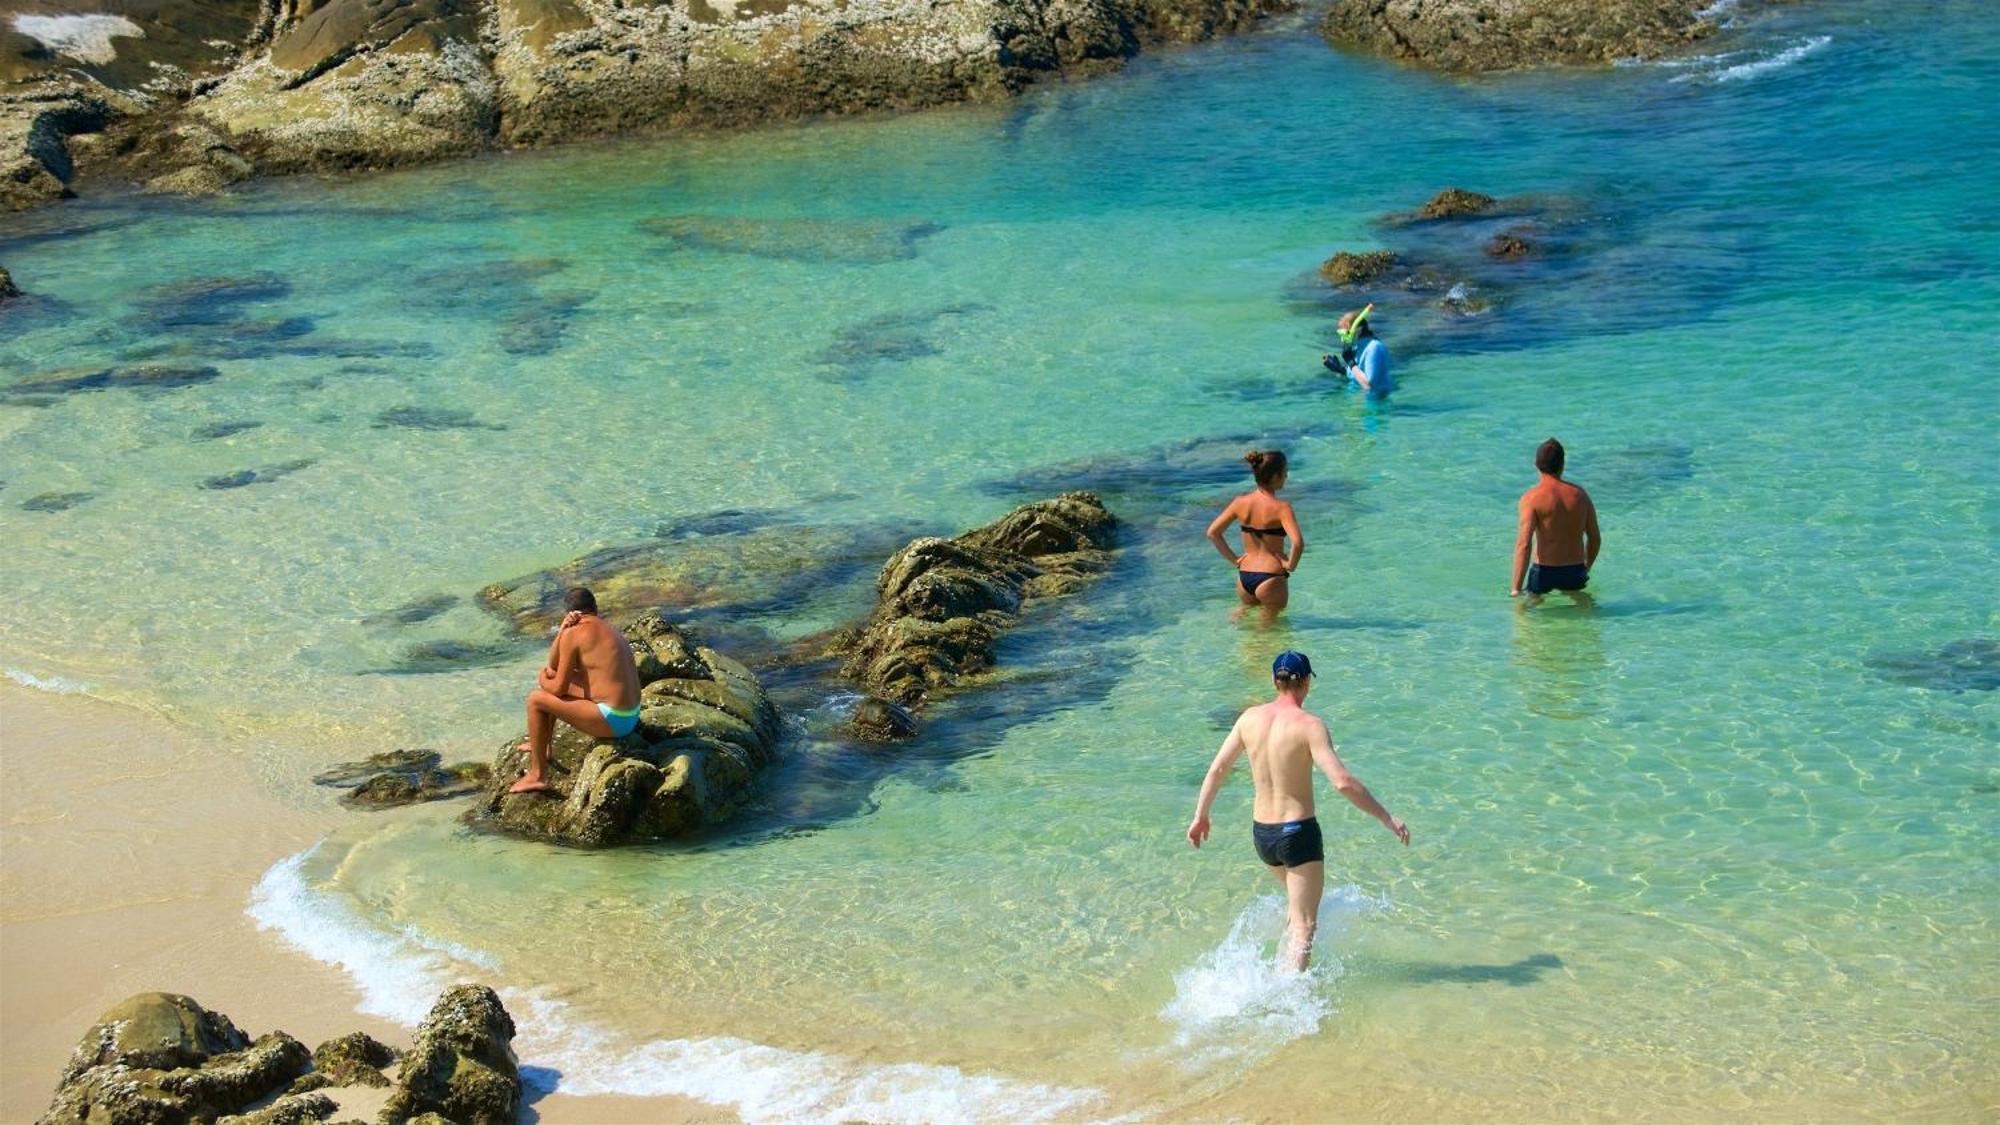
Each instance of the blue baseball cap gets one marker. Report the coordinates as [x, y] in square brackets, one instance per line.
[1291, 665]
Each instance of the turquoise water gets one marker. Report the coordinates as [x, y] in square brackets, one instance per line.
[1723, 845]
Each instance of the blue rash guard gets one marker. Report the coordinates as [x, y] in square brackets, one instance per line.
[1373, 360]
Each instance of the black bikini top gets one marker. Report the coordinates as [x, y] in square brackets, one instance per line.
[1278, 530]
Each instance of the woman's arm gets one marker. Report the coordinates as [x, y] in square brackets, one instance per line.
[1220, 525]
[1292, 532]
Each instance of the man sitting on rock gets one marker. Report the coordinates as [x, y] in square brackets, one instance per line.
[590, 682]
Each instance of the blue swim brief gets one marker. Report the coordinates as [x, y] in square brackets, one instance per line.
[622, 722]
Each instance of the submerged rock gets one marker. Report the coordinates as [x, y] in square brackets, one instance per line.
[462, 1065]
[1485, 35]
[8, 291]
[432, 418]
[706, 730]
[1972, 664]
[1507, 244]
[891, 338]
[806, 240]
[265, 475]
[1456, 203]
[216, 431]
[55, 501]
[403, 777]
[140, 377]
[943, 602]
[878, 720]
[159, 1057]
[209, 301]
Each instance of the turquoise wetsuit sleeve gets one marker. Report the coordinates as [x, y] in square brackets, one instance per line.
[1374, 363]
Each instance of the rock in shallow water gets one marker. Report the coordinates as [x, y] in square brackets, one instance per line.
[706, 730]
[943, 602]
[805, 240]
[402, 777]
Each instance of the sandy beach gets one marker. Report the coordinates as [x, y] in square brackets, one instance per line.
[129, 853]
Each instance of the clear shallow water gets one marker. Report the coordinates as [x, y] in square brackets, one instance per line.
[1693, 852]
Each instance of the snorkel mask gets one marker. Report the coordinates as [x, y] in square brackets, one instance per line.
[1353, 329]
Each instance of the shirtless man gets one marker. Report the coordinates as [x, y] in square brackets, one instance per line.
[590, 682]
[1559, 526]
[1285, 741]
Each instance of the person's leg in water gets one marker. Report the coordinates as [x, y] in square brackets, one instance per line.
[544, 708]
[1304, 885]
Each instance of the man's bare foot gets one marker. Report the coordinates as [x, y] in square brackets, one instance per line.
[529, 785]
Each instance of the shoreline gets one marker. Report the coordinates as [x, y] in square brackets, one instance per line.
[110, 890]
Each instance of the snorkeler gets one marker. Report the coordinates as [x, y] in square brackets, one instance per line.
[1558, 528]
[1363, 358]
[589, 682]
[1285, 741]
[1261, 576]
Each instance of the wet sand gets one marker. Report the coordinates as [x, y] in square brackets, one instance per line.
[130, 847]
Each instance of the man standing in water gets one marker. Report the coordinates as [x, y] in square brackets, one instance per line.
[1558, 528]
[590, 682]
[1285, 741]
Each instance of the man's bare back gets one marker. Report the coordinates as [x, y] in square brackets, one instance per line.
[600, 664]
[1560, 519]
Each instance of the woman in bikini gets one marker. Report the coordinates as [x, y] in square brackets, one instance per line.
[1261, 575]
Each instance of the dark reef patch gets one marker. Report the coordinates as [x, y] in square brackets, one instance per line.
[1638, 472]
[1972, 664]
[215, 431]
[432, 657]
[414, 612]
[265, 475]
[432, 418]
[897, 337]
[138, 377]
[55, 501]
[209, 301]
[862, 241]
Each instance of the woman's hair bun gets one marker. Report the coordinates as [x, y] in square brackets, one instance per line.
[1253, 457]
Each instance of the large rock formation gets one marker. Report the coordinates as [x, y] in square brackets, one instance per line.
[943, 602]
[706, 730]
[462, 1066]
[193, 95]
[1467, 36]
[161, 1058]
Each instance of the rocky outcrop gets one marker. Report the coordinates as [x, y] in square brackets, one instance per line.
[1468, 36]
[203, 93]
[706, 731]
[1347, 267]
[403, 777]
[943, 602]
[462, 1065]
[163, 1058]
[1456, 203]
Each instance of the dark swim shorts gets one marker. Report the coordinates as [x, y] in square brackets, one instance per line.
[1542, 579]
[1289, 844]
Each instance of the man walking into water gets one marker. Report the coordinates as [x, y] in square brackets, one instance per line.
[589, 682]
[1285, 741]
[1558, 531]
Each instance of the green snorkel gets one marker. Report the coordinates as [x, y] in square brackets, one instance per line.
[1353, 328]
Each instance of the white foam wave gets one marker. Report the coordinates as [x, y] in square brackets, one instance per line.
[1238, 1001]
[1779, 61]
[399, 974]
[55, 684]
[84, 38]
[1722, 12]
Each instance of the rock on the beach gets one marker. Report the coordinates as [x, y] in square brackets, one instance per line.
[943, 602]
[354, 1059]
[401, 777]
[298, 1108]
[706, 731]
[159, 1057]
[1467, 36]
[462, 1066]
